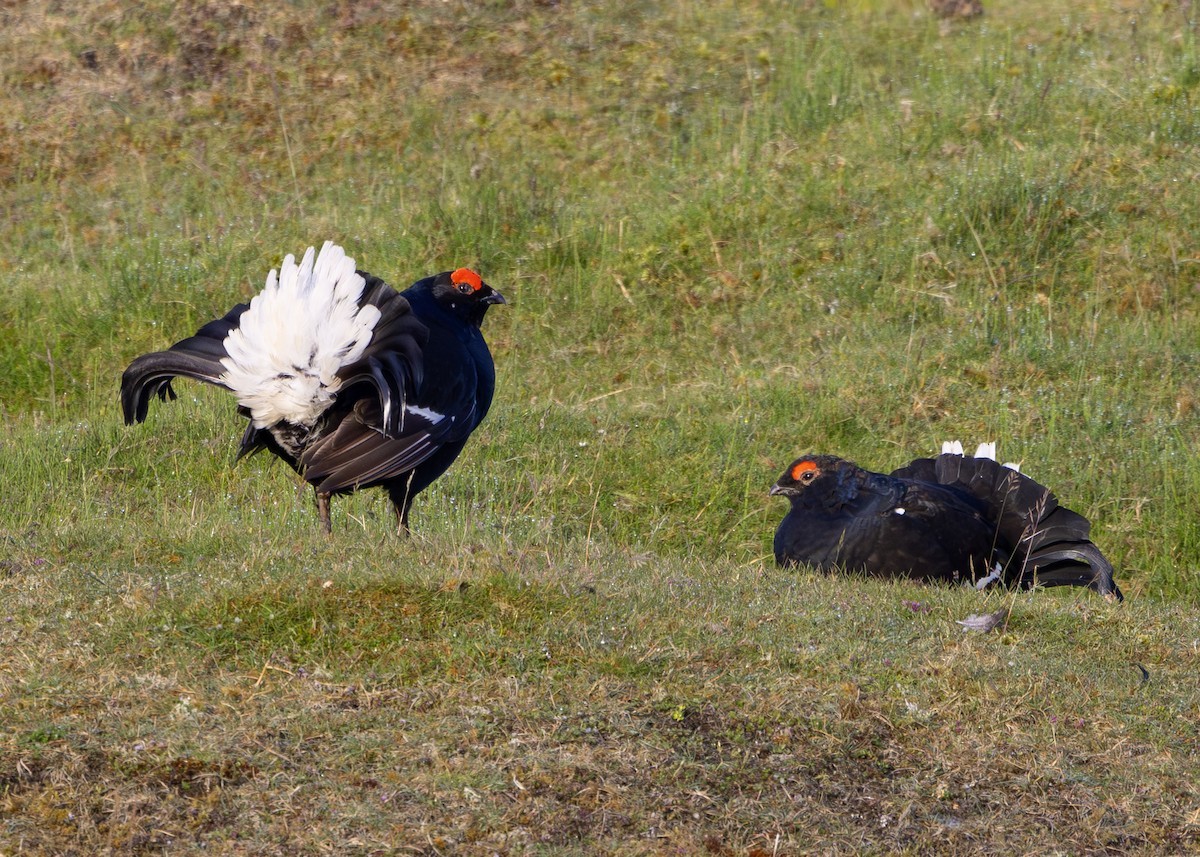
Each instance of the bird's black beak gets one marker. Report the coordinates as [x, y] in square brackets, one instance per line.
[779, 489]
[494, 298]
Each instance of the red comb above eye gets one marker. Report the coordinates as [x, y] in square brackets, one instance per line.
[466, 275]
[802, 468]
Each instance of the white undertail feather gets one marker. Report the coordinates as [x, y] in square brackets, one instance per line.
[952, 447]
[984, 450]
[997, 573]
[299, 330]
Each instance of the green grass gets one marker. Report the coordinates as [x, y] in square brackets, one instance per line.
[730, 233]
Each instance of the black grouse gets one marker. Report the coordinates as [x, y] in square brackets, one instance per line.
[350, 382]
[952, 518]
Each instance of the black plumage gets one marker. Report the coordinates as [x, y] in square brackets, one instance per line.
[951, 518]
[396, 415]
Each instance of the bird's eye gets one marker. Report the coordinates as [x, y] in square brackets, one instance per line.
[465, 288]
[808, 476]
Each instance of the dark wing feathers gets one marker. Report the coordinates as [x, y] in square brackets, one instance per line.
[357, 453]
[1060, 525]
[388, 386]
[1017, 503]
[366, 449]
[198, 357]
[1046, 539]
[393, 362]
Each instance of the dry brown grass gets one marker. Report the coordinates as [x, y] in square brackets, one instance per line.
[525, 714]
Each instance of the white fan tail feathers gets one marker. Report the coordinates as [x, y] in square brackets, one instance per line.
[303, 327]
[984, 450]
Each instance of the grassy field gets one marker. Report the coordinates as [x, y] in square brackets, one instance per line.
[730, 233]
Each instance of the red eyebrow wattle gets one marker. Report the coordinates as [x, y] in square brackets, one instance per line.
[466, 275]
[802, 468]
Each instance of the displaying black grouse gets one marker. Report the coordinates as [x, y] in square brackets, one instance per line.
[351, 383]
[953, 518]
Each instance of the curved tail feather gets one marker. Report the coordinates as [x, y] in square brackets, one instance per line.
[1051, 543]
[392, 362]
[197, 357]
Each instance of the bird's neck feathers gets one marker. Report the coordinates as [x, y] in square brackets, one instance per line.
[284, 355]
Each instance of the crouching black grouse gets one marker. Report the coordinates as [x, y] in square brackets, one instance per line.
[953, 517]
[351, 383]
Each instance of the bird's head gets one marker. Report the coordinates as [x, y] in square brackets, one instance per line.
[816, 478]
[464, 293]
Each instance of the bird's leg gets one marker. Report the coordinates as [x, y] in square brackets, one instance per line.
[401, 496]
[323, 512]
[402, 518]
